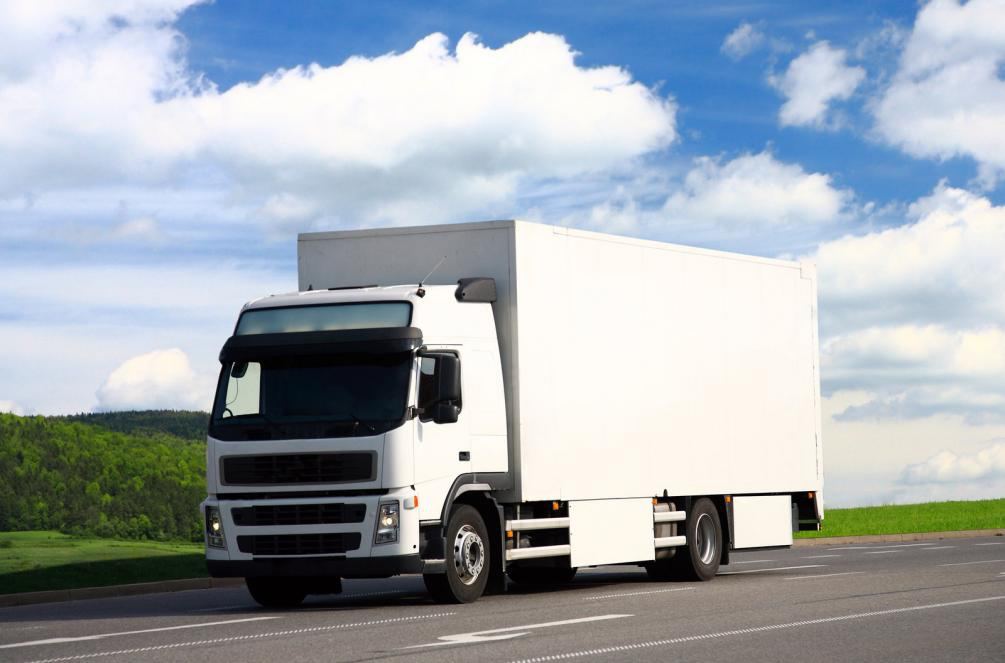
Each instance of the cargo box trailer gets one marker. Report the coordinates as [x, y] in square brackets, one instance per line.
[507, 399]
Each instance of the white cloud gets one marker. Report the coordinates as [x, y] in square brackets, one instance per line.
[139, 229]
[950, 467]
[812, 82]
[865, 457]
[753, 197]
[161, 379]
[947, 98]
[943, 267]
[106, 96]
[742, 41]
[11, 407]
[916, 313]
[756, 190]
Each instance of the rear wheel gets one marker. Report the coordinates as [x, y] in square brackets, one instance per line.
[276, 592]
[540, 575]
[467, 558]
[700, 558]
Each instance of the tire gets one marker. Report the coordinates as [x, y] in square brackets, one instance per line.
[700, 558]
[468, 559]
[276, 592]
[540, 575]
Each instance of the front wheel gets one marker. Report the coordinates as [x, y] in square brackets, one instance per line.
[467, 559]
[700, 559]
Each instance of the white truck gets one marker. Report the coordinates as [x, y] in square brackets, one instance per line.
[546, 399]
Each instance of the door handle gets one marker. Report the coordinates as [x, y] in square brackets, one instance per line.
[464, 455]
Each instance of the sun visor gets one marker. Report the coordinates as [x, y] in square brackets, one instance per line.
[290, 344]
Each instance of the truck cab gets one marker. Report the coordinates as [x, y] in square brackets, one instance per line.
[345, 423]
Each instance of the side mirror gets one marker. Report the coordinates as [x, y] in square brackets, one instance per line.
[445, 413]
[448, 370]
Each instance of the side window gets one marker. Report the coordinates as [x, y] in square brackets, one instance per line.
[428, 386]
[427, 383]
[243, 389]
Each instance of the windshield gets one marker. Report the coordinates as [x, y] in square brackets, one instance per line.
[310, 397]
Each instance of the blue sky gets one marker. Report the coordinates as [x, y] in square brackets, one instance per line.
[157, 158]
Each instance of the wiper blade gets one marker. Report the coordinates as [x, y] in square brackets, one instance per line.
[357, 422]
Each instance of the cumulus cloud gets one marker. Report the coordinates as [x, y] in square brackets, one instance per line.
[947, 97]
[742, 41]
[11, 407]
[162, 379]
[812, 82]
[942, 267]
[720, 201]
[949, 467]
[916, 314]
[756, 190]
[107, 96]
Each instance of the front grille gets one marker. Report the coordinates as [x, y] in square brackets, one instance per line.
[299, 468]
[298, 514]
[298, 544]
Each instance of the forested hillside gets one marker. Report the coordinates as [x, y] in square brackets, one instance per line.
[183, 423]
[82, 478]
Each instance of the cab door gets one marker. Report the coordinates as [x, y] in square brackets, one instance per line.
[442, 443]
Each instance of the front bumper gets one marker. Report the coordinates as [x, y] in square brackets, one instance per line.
[366, 560]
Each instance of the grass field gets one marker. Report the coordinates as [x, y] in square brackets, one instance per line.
[908, 518]
[36, 561]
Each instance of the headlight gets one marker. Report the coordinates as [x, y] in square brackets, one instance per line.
[387, 523]
[214, 528]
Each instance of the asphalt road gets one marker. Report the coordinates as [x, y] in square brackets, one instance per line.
[933, 601]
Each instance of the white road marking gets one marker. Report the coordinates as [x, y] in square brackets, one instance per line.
[617, 596]
[508, 632]
[819, 556]
[993, 543]
[55, 641]
[752, 561]
[777, 568]
[824, 575]
[225, 607]
[746, 631]
[904, 545]
[239, 638]
[938, 548]
[881, 552]
[898, 545]
[983, 561]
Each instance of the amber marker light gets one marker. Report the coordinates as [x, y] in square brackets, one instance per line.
[554, 506]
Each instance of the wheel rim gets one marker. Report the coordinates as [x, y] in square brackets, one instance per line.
[469, 554]
[705, 538]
